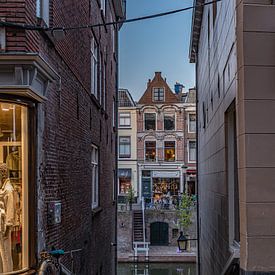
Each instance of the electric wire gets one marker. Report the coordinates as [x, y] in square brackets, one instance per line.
[89, 26]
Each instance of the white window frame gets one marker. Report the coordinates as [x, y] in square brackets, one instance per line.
[94, 67]
[188, 151]
[128, 144]
[125, 116]
[155, 121]
[189, 128]
[43, 10]
[167, 114]
[114, 38]
[95, 177]
[153, 94]
[156, 158]
[175, 150]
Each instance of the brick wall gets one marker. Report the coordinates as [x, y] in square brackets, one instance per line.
[68, 123]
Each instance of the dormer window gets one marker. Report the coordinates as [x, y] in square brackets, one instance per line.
[158, 94]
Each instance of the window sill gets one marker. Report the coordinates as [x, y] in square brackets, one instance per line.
[96, 211]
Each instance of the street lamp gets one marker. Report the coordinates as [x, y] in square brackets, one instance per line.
[182, 242]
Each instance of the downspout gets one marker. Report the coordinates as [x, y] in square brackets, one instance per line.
[116, 149]
[197, 168]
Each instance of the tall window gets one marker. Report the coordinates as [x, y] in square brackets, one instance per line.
[94, 167]
[192, 123]
[169, 122]
[43, 10]
[150, 150]
[214, 10]
[158, 94]
[150, 121]
[169, 151]
[103, 6]
[124, 147]
[94, 66]
[124, 178]
[14, 166]
[124, 119]
[232, 176]
[192, 151]
[104, 96]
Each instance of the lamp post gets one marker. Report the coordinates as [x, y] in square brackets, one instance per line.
[182, 242]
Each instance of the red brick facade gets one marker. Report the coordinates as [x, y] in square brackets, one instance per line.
[68, 123]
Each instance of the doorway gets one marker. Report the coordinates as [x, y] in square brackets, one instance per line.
[159, 233]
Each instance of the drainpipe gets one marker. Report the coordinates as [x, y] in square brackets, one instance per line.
[197, 168]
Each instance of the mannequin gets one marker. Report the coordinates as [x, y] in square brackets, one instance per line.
[7, 215]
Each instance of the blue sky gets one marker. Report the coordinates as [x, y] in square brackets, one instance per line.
[160, 44]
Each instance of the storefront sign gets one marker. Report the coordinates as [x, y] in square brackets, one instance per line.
[166, 174]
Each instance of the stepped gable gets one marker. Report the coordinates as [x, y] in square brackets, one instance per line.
[158, 82]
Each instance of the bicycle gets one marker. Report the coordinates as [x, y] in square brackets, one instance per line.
[50, 262]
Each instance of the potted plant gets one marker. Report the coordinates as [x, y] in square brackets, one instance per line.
[184, 214]
[130, 197]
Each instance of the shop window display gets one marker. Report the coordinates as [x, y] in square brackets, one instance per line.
[166, 190]
[13, 187]
[124, 177]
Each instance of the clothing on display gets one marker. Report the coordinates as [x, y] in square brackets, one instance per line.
[7, 222]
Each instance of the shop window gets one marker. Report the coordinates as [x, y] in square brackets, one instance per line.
[94, 66]
[124, 178]
[94, 167]
[169, 122]
[124, 119]
[124, 147]
[150, 121]
[150, 150]
[192, 151]
[13, 187]
[158, 94]
[169, 151]
[192, 123]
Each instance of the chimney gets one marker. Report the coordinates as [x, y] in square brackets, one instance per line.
[148, 83]
[178, 88]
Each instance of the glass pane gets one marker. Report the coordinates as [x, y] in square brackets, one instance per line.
[150, 121]
[169, 151]
[13, 187]
[150, 150]
[169, 122]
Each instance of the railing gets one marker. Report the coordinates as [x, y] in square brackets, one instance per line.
[143, 217]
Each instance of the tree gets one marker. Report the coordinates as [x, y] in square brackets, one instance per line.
[131, 196]
[184, 213]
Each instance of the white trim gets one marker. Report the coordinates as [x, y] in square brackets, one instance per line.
[188, 122]
[153, 95]
[144, 150]
[175, 121]
[156, 121]
[190, 161]
[124, 126]
[163, 145]
[95, 176]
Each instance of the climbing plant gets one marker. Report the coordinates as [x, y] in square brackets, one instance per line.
[184, 212]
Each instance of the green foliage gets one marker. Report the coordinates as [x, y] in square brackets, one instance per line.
[131, 195]
[184, 212]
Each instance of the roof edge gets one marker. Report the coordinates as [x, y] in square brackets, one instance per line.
[196, 29]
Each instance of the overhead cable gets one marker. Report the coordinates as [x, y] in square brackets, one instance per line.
[89, 26]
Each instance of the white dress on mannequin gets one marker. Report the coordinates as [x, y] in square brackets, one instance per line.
[7, 215]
